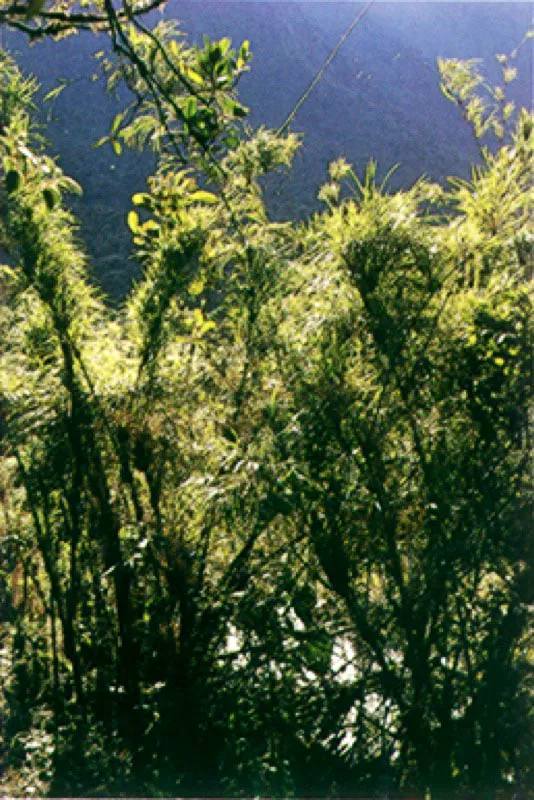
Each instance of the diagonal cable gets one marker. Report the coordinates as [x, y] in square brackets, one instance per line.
[283, 127]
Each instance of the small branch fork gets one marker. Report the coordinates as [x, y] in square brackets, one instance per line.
[52, 23]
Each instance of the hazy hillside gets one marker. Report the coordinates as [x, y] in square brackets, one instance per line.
[380, 98]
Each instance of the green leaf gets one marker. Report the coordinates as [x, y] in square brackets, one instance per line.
[70, 185]
[101, 141]
[115, 125]
[53, 93]
[231, 141]
[225, 44]
[190, 108]
[117, 147]
[507, 111]
[231, 107]
[498, 129]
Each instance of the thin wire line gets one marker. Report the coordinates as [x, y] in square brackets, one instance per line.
[283, 127]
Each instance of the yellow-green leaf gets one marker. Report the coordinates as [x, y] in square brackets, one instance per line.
[207, 326]
[101, 141]
[193, 76]
[149, 226]
[53, 93]
[133, 221]
[141, 199]
[196, 287]
[203, 197]
[509, 74]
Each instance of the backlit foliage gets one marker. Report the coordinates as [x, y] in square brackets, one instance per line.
[263, 528]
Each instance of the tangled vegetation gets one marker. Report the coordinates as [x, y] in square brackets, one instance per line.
[264, 528]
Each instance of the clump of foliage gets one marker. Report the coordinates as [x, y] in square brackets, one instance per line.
[264, 527]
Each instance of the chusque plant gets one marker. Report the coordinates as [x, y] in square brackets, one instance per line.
[263, 527]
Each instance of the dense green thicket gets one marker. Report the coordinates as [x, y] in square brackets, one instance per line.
[264, 529]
